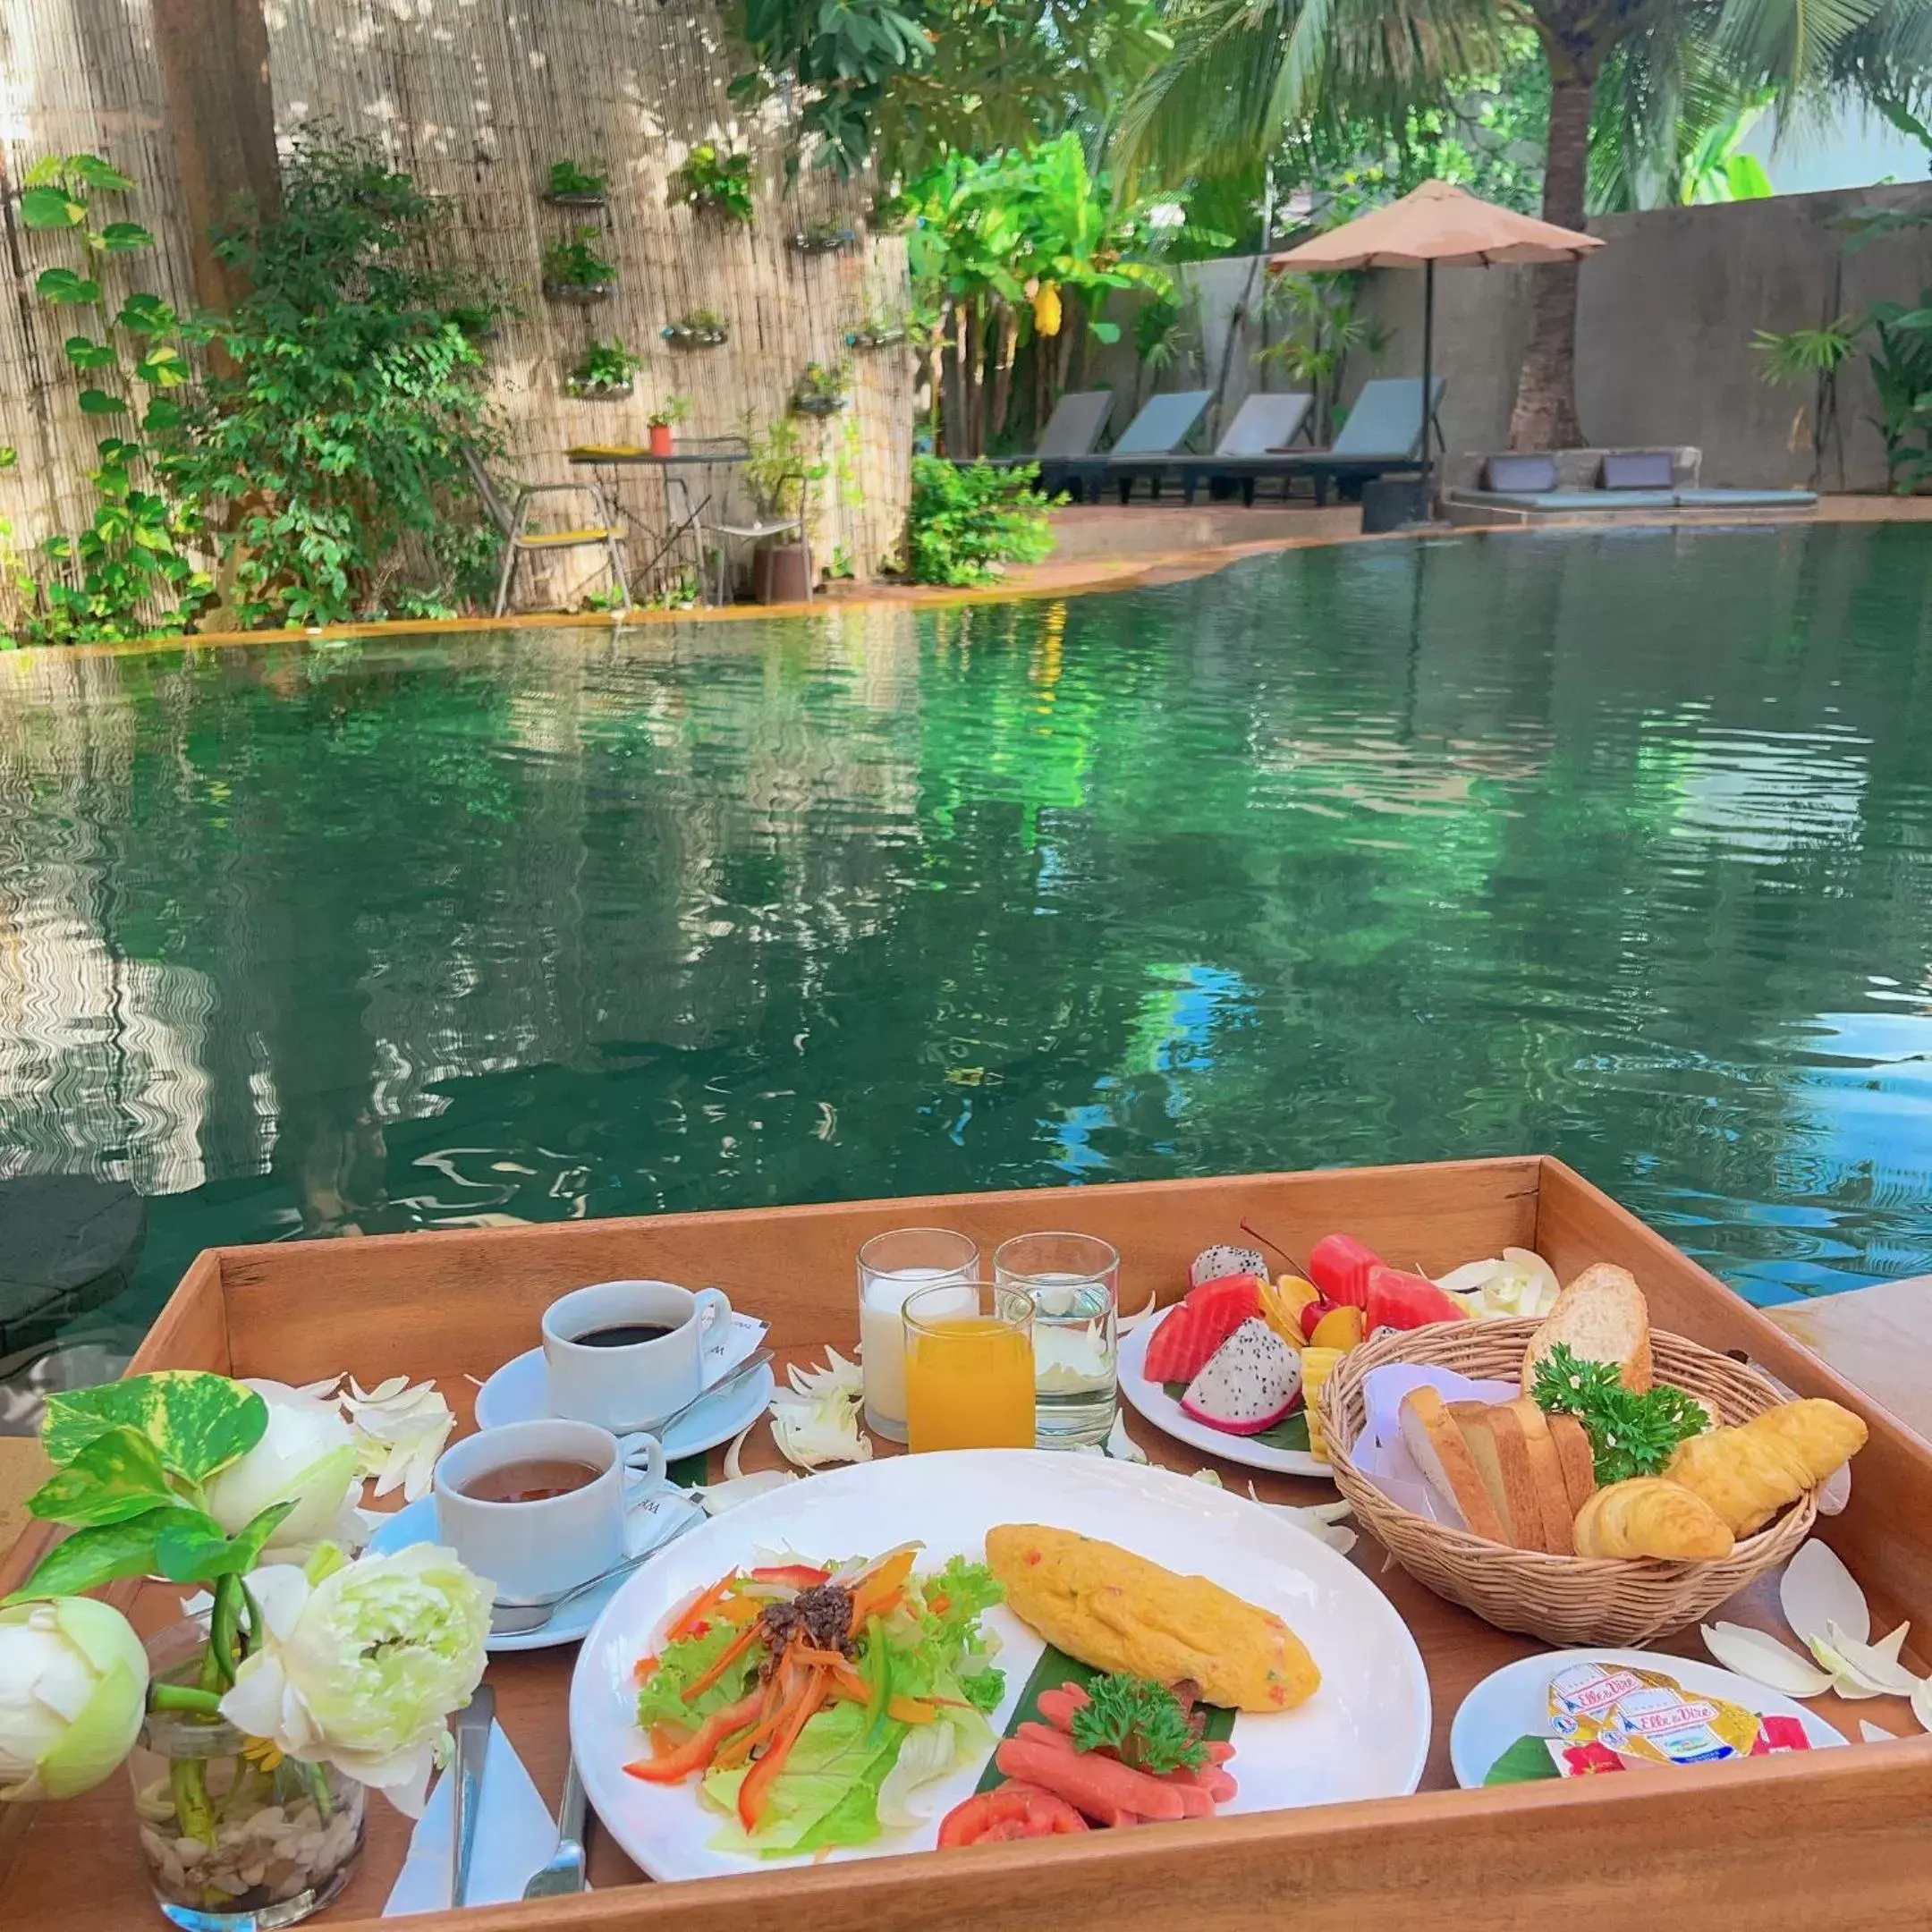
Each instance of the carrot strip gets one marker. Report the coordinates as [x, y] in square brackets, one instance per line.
[762, 1775]
[694, 1612]
[727, 1657]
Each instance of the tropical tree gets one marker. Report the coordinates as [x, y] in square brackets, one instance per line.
[1242, 71]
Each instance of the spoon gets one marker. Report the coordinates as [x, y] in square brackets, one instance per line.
[517, 1616]
[740, 1374]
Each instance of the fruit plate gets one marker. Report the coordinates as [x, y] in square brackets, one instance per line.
[1514, 1702]
[1364, 1733]
[1150, 1400]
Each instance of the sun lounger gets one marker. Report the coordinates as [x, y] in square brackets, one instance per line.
[1383, 436]
[1164, 423]
[1248, 451]
[1071, 431]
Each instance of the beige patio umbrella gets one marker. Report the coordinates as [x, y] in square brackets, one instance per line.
[1438, 223]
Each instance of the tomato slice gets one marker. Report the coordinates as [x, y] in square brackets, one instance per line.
[1014, 1810]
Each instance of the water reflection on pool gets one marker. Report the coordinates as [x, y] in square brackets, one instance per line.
[1618, 846]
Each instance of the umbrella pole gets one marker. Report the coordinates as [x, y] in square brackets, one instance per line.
[1428, 360]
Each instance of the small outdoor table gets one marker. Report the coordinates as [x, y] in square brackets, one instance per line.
[675, 468]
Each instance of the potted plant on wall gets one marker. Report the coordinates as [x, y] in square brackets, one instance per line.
[572, 186]
[822, 389]
[574, 272]
[702, 328]
[662, 421]
[823, 238]
[603, 373]
[714, 183]
[877, 331]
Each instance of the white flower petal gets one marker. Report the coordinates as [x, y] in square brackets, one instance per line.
[1817, 1589]
[1127, 1323]
[1921, 1704]
[1121, 1445]
[1752, 1654]
[253, 1702]
[281, 1589]
[1846, 1681]
[1893, 1644]
[1870, 1663]
[1876, 1733]
[734, 1467]
[718, 1498]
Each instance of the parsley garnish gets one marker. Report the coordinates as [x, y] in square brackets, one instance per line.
[1140, 1722]
[1630, 1435]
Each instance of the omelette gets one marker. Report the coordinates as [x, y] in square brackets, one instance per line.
[1119, 1612]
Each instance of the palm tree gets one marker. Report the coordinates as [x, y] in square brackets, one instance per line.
[1242, 70]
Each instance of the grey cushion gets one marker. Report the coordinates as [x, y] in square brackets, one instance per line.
[1520, 472]
[1639, 470]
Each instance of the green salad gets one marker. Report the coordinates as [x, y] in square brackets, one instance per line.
[812, 1701]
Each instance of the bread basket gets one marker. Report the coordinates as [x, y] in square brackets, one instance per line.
[1562, 1599]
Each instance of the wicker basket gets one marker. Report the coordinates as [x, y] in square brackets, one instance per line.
[1563, 1599]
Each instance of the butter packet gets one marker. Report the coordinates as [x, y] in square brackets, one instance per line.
[1647, 1716]
[1580, 1696]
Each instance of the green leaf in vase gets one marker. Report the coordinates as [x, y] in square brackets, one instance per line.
[116, 1476]
[98, 1554]
[199, 1422]
[196, 1551]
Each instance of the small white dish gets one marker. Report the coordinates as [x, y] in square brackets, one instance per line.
[1514, 1702]
[516, 1394]
[1150, 1400]
[650, 1519]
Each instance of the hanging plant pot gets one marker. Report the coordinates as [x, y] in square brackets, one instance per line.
[596, 392]
[581, 197]
[661, 442]
[875, 338]
[684, 335]
[579, 295]
[823, 238]
[818, 405]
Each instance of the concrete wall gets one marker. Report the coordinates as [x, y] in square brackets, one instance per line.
[1664, 335]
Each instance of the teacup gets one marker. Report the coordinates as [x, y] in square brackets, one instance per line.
[538, 1547]
[628, 1383]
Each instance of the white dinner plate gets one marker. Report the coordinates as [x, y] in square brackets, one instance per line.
[1514, 1702]
[1363, 1734]
[1150, 1400]
[516, 1394]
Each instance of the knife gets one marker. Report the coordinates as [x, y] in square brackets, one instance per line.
[473, 1724]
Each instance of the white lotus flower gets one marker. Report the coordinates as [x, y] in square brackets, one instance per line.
[816, 1419]
[73, 1689]
[400, 1429]
[719, 1497]
[362, 1669]
[1121, 1445]
[307, 1453]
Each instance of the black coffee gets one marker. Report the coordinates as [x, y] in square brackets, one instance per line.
[623, 1334]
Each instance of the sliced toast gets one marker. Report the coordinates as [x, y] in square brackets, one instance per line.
[1578, 1459]
[1495, 1440]
[1552, 1495]
[1602, 1318]
[1436, 1442]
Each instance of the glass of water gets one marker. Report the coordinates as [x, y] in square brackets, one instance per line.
[1073, 1280]
[891, 1267]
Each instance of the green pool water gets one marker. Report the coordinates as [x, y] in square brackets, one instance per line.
[1618, 846]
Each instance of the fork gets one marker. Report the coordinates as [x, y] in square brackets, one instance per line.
[565, 1871]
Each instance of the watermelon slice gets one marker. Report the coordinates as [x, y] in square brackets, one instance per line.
[1188, 1335]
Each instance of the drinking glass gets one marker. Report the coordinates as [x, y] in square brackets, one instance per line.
[969, 1367]
[891, 1266]
[1072, 1281]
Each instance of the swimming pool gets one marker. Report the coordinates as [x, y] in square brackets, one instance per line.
[1615, 845]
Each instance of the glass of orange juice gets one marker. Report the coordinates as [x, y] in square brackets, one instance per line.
[969, 1367]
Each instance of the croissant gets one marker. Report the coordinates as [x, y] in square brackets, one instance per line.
[1748, 1474]
[1649, 1516]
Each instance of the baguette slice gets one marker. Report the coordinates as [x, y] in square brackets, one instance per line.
[1602, 1318]
[1553, 1512]
[1578, 1459]
[1437, 1444]
[1495, 1440]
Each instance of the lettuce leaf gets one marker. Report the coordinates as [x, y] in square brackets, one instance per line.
[661, 1698]
[831, 1769]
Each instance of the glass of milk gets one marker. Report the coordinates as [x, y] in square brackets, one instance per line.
[891, 1266]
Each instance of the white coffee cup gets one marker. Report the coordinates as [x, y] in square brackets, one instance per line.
[633, 1384]
[538, 1547]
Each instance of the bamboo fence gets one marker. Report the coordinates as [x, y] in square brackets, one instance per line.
[476, 99]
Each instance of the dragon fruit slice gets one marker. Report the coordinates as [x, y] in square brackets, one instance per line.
[1249, 1382]
[1212, 1263]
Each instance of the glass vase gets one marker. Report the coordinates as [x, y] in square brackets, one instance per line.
[236, 1839]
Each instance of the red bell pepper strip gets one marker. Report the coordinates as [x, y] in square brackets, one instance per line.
[801, 1575]
[672, 1767]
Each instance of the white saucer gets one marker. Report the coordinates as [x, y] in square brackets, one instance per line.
[416, 1522]
[516, 1394]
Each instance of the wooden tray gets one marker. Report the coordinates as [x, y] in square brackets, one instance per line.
[1836, 1841]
